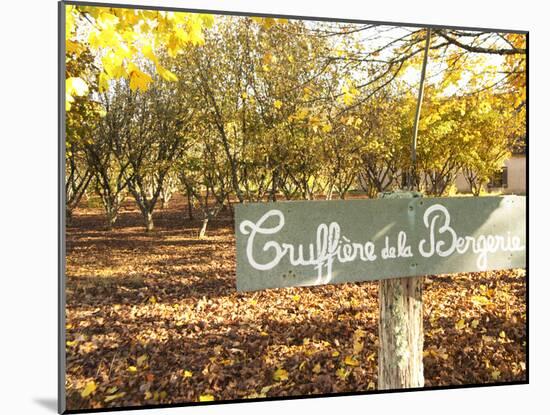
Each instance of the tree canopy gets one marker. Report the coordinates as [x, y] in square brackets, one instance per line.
[234, 109]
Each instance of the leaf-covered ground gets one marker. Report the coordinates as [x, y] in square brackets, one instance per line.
[155, 318]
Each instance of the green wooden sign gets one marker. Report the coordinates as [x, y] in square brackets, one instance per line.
[305, 243]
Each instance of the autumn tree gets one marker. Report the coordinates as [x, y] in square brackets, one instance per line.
[252, 109]
[204, 177]
[80, 125]
[105, 153]
[495, 128]
[160, 124]
[383, 148]
[78, 177]
[122, 37]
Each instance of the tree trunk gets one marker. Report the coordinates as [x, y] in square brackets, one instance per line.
[400, 328]
[401, 334]
[202, 232]
[275, 178]
[190, 205]
[111, 215]
[68, 215]
[329, 193]
[148, 218]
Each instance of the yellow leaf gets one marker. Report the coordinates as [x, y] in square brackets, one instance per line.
[71, 343]
[342, 373]
[348, 93]
[139, 80]
[480, 300]
[152, 300]
[350, 361]
[268, 58]
[112, 390]
[460, 325]
[327, 128]
[166, 74]
[371, 386]
[495, 374]
[106, 19]
[277, 104]
[115, 396]
[280, 375]
[74, 47]
[148, 395]
[113, 65]
[132, 369]
[206, 398]
[187, 374]
[358, 344]
[335, 353]
[502, 335]
[474, 324]
[195, 34]
[316, 368]
[141, 360]
[302, 114]
[103, 82]
[147, 51]
[88, 389]
[268, 22]
[359, 333]
[296, 298]
[349, 98]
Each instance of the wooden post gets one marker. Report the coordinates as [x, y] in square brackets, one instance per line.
[400, 328]
[401, 338]
[412, 182]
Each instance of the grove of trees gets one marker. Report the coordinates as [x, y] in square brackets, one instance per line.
[229, 109]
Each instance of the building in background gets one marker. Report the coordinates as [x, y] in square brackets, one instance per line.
[512, 179]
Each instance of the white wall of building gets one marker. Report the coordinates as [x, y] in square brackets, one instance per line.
[517, 178]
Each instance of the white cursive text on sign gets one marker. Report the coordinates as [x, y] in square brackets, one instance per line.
[332, 246]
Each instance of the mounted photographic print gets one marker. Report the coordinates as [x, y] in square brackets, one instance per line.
[258, 207]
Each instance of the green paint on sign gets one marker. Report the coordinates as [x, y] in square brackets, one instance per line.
[328, 242]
